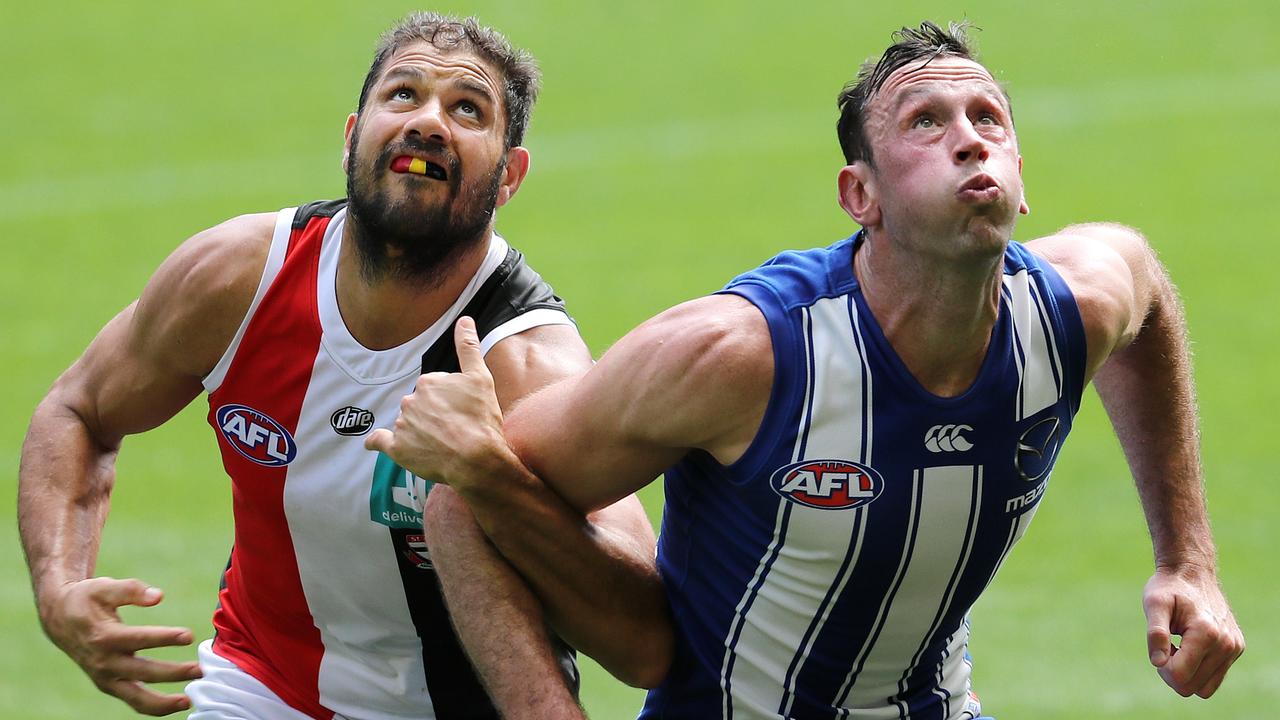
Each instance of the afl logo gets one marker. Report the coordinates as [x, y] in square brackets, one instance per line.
[256, 436]
[827, 484]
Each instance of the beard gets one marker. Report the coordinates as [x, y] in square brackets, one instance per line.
[410, 239]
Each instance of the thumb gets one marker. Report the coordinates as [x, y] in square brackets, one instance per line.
[467, 343]
[379, 440]
[1159, 611]
[128, 592]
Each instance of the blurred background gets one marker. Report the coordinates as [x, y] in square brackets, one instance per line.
[675, 145]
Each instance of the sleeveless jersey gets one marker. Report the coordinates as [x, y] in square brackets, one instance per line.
[828, 573]
[329, 597]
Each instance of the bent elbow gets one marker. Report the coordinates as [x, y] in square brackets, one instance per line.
[649, 666]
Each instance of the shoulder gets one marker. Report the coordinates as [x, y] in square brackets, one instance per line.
[530, 360]
[195, 301]
[796, 277]
[1109, 270]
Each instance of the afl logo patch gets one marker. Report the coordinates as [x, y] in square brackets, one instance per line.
[828, 484]
[256, 436]
[351, 421]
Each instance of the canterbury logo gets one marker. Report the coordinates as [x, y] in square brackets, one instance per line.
[947, 438]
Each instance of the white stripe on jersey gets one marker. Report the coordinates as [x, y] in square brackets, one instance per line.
[520, 323]
[942, 535]
[1041, 385]
[794, 586]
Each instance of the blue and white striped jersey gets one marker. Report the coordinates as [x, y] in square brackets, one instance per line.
[829, 572]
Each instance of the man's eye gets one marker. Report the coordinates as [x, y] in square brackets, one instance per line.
[924, 121]
[468, 109]
[402, 93]
[987, 119]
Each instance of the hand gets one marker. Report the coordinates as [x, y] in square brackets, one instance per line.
[450, 428]
[1187, 601]
[83, 621]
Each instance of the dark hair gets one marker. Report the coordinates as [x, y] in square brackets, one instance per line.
[520, 75]
[923, 43]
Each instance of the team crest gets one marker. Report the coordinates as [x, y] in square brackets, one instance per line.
[415, 551]
[1038, 449]
[828, 484]
[256, 436]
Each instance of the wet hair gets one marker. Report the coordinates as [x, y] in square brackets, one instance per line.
[924, 43]
[520, 75]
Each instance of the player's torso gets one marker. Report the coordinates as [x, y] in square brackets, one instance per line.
[329, 597]
[833, 566]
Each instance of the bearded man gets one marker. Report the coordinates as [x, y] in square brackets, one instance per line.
[306, 327]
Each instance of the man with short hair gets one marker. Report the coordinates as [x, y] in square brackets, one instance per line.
[306, 327]
[856, 436]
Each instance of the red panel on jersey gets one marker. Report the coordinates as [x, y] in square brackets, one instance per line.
[263, 623]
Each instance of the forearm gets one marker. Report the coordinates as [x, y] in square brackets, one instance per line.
[597, 581]
[1149, 394]
[64, 487]
[495, 614]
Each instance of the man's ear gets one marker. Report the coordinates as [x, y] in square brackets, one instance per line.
[346, 141]
[859, 194]
[513, 175]
[1023, 207]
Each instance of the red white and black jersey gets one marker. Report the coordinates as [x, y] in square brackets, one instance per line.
[329, 597]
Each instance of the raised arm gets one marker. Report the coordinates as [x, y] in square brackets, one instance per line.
[1139, 356]
[596, 578]
[697, 376]
[140, 370]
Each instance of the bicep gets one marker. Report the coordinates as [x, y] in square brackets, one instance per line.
[693, 377]
[120, 386]
[148, 362]
[535, 358]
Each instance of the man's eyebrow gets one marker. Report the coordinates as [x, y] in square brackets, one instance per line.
[403, 72]
[477, 88]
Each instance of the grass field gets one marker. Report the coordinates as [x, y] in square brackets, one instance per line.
[675, 144]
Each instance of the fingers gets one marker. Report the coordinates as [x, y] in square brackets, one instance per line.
[130, 638]
[115, 593]
[154, 671]
[145, 700]
[379, 440]
[1159, 612]
[1207, 653]
[467, 344]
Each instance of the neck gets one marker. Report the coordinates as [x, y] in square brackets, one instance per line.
[937, 314]
[385, 309]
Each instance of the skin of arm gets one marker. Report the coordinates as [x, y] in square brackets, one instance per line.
[1139, 358]
[498, 617]
[142, 368]
[697, 376]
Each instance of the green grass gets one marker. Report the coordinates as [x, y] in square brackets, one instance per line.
[675, 145]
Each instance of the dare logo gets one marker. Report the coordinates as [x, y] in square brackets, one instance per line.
[256, 436]
[828, 484]
[351, 421]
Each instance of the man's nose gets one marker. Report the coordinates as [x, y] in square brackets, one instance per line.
[969, 144]
[429, 122]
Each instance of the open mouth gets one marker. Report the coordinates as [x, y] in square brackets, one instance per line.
[418, 166]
